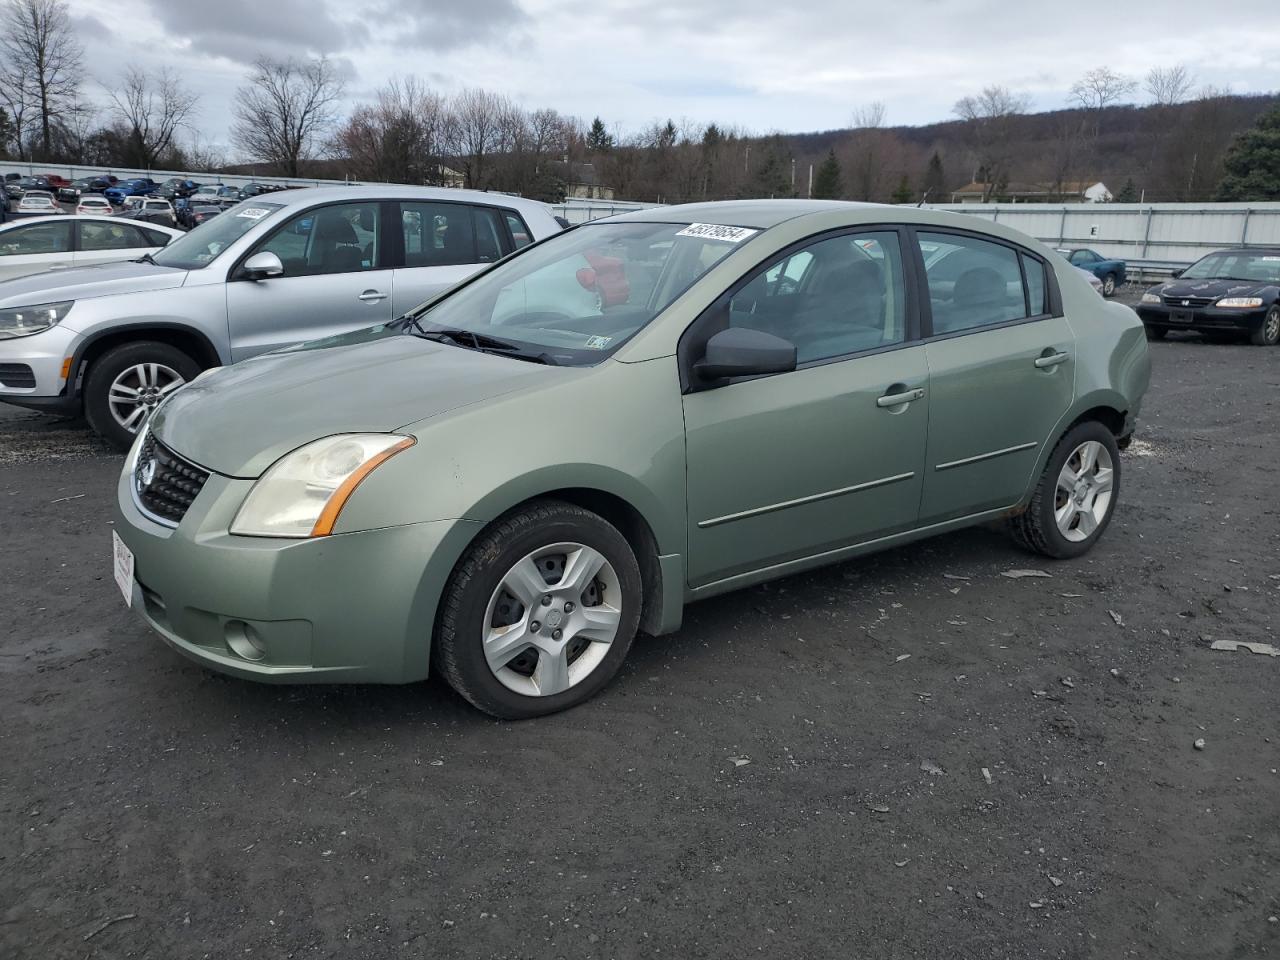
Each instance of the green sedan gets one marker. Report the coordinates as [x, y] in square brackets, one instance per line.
[509, 482]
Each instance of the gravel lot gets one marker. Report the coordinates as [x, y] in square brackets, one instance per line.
[753, 786]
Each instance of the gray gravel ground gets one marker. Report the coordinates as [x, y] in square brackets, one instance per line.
[752, 786]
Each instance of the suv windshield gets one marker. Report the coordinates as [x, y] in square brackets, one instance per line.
[1237, 265]
[580, 295]
[205, 243]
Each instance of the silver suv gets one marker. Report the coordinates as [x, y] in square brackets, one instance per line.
[113, 340]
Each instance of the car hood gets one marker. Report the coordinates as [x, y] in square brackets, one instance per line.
[239, 420]
[1214, 288]
[81, 283]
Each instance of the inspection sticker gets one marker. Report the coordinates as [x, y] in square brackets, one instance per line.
[716, 231]
[253, 213]
[598, 343]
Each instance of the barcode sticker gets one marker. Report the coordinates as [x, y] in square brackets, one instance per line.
[717, 231]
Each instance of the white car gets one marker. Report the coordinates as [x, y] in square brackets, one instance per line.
[153, 209]
[38, 202]
[94, 204]
[47, 243]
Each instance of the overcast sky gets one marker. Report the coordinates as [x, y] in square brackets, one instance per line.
[759, 64]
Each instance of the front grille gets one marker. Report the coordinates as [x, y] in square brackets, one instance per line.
[1191, 303]
[165, 484]
[17, 375]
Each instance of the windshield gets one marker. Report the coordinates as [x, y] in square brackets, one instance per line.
[580, 295]
[1236, 265]
[201, 246]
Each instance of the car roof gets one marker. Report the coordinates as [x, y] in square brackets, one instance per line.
[307, 196]
[759, 214]
[86, 218]
[1265, 251]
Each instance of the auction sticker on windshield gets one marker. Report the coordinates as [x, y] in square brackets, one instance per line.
[253, 213]
[717, 231]
[122, 561]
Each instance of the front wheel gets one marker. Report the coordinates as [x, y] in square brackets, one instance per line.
[125, 384]
[1076, 495]
[1268, 332]
[540, 612]
[1157, 333]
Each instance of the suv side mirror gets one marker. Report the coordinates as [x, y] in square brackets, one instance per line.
[742, 352]
[1176, 274]
[261, 266]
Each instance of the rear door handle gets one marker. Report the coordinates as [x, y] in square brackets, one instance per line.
[1051, 360]
[372, 296]
[898, 399]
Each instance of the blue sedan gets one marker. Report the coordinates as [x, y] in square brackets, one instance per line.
[1110, 272]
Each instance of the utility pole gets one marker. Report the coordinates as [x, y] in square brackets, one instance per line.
[810, 195]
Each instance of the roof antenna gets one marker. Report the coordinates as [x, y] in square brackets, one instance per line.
[923, 199]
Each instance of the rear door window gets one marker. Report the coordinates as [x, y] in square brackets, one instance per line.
[109, 236]
[973, 283]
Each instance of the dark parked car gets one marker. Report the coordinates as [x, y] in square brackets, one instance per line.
[176, 188]
[193, 215]
[137, 187]
[16, 188]
[1225, 294]
[73, 191]
[1110, 272]
[258, 189]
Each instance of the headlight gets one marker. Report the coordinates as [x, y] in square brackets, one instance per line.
[303, 493]
[24, 321]
[1151, 298]
[1245, 302]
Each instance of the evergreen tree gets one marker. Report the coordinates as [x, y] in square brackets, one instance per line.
[904, 193]
[1252, 165]
[827, 182]
[598, 138]
[935, 180]
[1128, 193]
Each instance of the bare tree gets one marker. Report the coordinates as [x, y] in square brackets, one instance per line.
[284, 110]
[1100, 88]
[869, 116]
[14, 90]
[400, 137]
[1169, 85]
[478, 121]
[153, 108]
[39, 53]
[862, 156]
[990, 121]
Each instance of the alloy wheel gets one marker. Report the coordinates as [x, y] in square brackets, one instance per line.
[551, 619]
[1108, 286]
[137, 391]
[1271, 326]
[1083, 493]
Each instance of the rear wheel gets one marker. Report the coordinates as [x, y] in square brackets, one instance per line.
[540, 612]
[1076, 495]
[1157, 333]
[1109, 285]
[125, 384]
[1268, 332]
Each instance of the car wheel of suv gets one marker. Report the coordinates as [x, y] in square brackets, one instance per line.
[1268, 332]
[540, 612]
[1157, 333]
[125, 384]
[1109, 285]
[1076, 495]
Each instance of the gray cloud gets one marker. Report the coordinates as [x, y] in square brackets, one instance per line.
[448, 26]
[243, 30]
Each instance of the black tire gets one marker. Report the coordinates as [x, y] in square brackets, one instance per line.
[1157, 333]
[458, 649]
[1036, 529]
[1268, 332]
[1109, 285]
[103, 372]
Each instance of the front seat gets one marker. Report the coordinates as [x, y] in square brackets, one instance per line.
[979, 296]
[337, 246]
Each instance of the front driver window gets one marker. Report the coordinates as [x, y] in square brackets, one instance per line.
[835, 297]
[343, 238]
[37, 238]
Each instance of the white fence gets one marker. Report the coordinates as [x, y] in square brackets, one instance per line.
[1171, 233]
[580, 211]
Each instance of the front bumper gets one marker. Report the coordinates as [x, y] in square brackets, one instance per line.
[356, 607]
[1200, 318]
[38, 358]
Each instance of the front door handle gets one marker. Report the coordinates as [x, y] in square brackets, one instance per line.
[1050, 360]
[372, 296]
[898, 399]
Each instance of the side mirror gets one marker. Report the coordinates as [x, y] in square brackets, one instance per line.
[742, 352]
[1176, 274]
[262, 265]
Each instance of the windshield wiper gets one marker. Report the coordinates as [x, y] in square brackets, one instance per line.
[470, 340]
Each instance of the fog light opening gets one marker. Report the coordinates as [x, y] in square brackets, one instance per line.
[244, 641]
